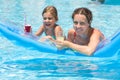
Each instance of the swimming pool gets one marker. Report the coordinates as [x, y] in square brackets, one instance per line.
[20, 63]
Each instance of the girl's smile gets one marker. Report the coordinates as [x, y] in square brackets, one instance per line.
[48, 19]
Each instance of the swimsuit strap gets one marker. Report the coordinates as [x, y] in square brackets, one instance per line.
[53, 37]
[74, 34]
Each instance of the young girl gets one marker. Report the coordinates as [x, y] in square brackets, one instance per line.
[49, 26]
[82, 38]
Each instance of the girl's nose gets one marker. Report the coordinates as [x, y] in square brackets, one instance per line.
[46, 20]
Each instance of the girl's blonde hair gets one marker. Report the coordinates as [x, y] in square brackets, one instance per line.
[52, 10]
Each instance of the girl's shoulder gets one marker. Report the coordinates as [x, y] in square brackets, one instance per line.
[58, 27]
[42, 26]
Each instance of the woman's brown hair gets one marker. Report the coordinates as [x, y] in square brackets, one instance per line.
[83, 11]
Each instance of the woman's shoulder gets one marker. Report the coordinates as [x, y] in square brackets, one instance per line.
[95, 30]
[98, 32]
[71, 31]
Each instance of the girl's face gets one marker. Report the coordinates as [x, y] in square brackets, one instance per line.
[80, 24]
[48, 19]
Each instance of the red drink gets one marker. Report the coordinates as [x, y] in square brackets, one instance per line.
[27, 28]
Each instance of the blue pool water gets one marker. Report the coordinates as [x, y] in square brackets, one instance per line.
[20, 63]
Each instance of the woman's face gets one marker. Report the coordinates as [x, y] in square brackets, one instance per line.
[80, 24]
[48, 19]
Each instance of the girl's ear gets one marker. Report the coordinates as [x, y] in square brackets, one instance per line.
[56, 18]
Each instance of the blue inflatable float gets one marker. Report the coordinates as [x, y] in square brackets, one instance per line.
[11, 33]
[112, 2]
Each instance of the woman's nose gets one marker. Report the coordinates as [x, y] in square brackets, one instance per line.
[78, 25]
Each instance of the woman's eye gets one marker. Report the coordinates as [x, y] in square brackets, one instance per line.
[82, 23]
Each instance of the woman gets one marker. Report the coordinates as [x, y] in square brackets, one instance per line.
[82, 38]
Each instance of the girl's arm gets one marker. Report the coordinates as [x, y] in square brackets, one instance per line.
[40, 31]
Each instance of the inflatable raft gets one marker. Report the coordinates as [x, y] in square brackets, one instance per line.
[112, 2]
[12, 33]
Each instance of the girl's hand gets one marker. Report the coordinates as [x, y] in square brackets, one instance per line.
[46, 38]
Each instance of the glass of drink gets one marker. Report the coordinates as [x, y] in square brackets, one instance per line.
[27, 28]
[60, 36]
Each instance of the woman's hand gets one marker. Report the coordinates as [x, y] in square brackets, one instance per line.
[61, 44]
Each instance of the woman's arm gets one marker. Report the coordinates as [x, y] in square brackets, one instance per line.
[85, 49]
[80, 48]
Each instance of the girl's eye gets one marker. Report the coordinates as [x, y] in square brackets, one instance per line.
[75, 22]
[44, 18]
[49, 18]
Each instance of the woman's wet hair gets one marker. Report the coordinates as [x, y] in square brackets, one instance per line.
[83, 11]
[52, 10]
